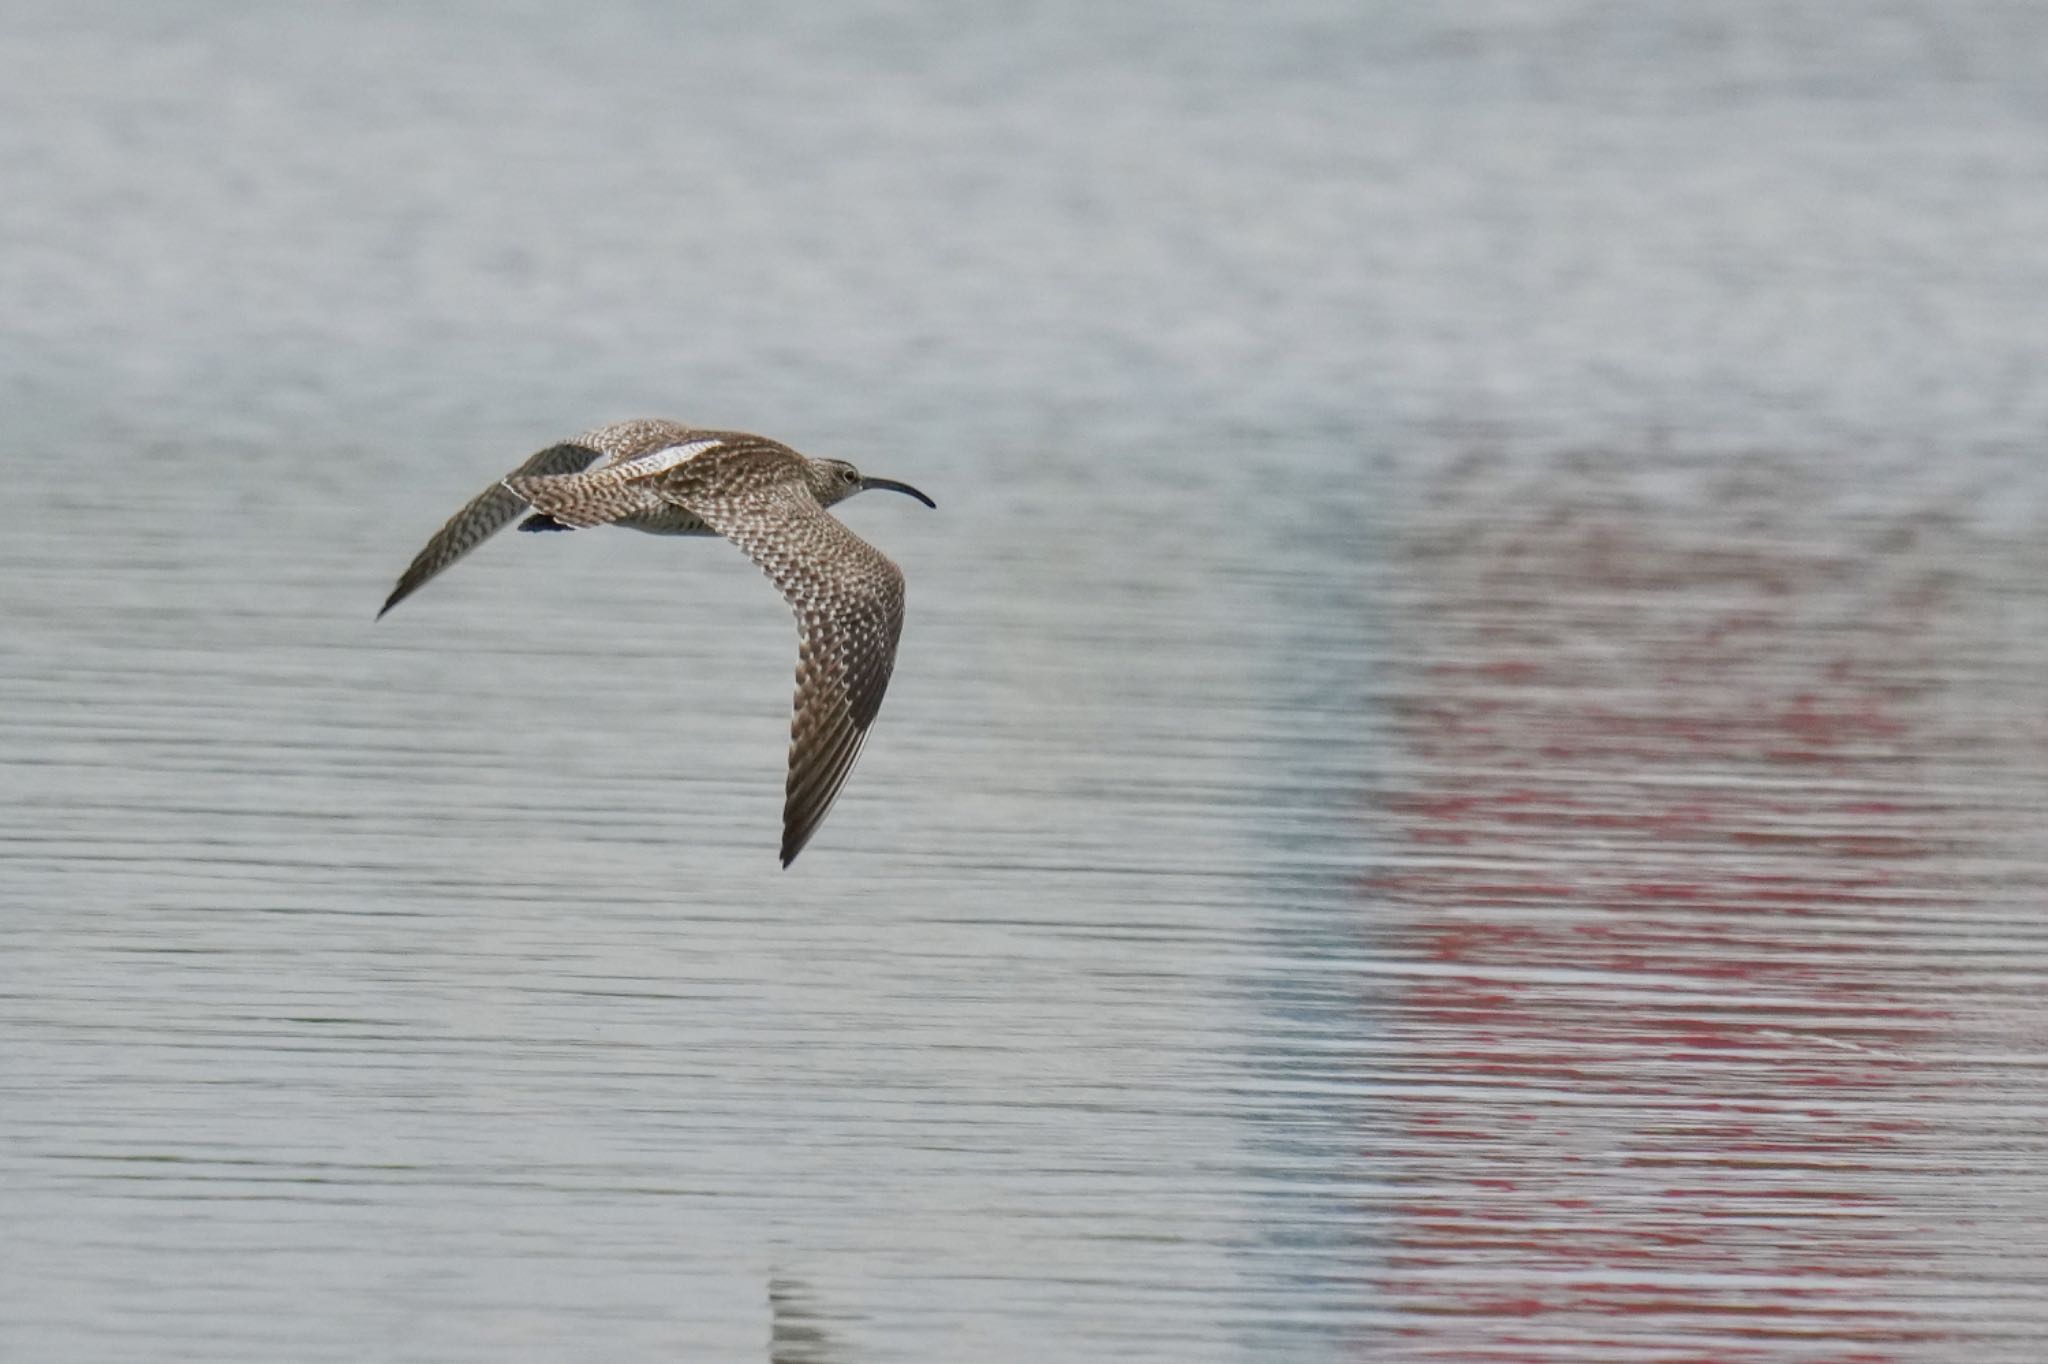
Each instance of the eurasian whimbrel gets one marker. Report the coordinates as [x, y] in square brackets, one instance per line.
[670, 479]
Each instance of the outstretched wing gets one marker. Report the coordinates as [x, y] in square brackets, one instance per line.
[848, 600]
[488, 513]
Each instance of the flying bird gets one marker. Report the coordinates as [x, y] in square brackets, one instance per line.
[670, 479]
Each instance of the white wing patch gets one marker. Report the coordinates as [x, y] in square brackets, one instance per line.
[664, 459]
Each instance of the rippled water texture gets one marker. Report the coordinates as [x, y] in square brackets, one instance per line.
[1467, 780]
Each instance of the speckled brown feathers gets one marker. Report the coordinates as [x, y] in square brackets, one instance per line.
[489, 512]
[497, 506]
[848, 600]
[769, 500]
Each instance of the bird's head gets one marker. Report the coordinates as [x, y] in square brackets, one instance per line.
[835, 480]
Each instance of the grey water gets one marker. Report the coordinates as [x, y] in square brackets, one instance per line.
[1467, 778]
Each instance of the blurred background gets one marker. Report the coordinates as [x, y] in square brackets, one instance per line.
[1467, 778]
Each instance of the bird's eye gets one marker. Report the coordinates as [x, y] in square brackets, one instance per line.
[850, 475]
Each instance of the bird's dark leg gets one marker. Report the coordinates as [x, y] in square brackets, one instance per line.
[542, 521]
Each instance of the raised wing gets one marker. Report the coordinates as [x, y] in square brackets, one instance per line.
[486, 514]
[621, 489]
[848, 600]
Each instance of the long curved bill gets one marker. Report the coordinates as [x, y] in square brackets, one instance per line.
[893, 486]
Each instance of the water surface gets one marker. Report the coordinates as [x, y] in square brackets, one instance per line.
[1465, 781]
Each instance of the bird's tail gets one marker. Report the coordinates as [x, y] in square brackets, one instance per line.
[575, 501]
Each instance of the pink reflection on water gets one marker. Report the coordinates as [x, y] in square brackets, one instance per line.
[1668, 789]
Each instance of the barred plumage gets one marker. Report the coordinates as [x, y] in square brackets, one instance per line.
[769, 500]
